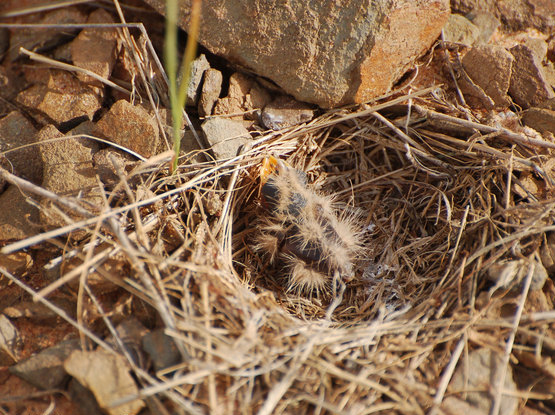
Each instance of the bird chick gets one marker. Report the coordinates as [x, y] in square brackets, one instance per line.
[304, 232]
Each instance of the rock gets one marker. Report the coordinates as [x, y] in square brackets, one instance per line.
[60, 98]
[106, 169]
[198, 67]
[38, 39]
[490, 68]
[68, 171]
[107, 376]
[18, 218]
[10, 342]
[130, 126]
[460, 30]
[45, 370]
[16, 263]
[329, 54]
[484, 368]
[547, 253]
[540, 119]
[131, 332]
[234, 103]
[537, 46]
[285, 112]
[528, 85]
[162, 349]
[515, 14]
[17, 131]
[225, 136]
[507, 274]
[455, 406]
[84, 399]
[95, 49]
[486, 23]
[211, 88]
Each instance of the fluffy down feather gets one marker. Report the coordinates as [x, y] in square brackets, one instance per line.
[303, 232]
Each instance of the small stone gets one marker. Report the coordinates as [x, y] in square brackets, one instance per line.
[60, 99]
[528, 85]
[38, 39]
[234, 103]
[84, 399]
[211, 88]
[45, 370]
[540, 119]
[107, 376]
[16, 263]
[130, 332]
[477, 382]
[487, 24]
[107, 163]
[490, 67]
[455, 406]
[10, 342]
[68, 171]
[537, 46]
[18, 218]
[162, 349]
[198, 67]
[95, 49]
[17, 131]
[460, 30]
[510, 274]
[130, 126]
[285, 112]
[225, 136]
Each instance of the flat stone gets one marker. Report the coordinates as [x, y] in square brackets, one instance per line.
[95, 49]
[39, 39]
[285, 112]
[490, 68]
[162, 349]
[198, 67]
[211, 88]
[484, 368]
[68, 171]
[107, 163]
[225, 136]
[10, 342]
[486, 23]
[17, 131]
[107, 376]
[511, 274]
[45, 370]
[327, 53]
[528, 84]
[540, 119]
[18, 218]
[459, 29]
[130, 126]
[59, 99]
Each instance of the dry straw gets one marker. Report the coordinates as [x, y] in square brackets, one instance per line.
[441, 198]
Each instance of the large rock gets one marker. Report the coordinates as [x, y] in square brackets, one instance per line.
[324, 52]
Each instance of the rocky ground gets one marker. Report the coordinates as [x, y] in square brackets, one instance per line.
[84, 106]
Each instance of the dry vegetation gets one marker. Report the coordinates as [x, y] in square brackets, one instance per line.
[443, 196]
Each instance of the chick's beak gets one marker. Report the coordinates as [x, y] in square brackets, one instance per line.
[270, 165]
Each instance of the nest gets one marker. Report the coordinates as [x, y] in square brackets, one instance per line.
[442, 197]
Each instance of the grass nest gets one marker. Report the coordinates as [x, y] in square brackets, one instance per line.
[443, 197]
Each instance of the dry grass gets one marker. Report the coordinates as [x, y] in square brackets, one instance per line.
[443, 196]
